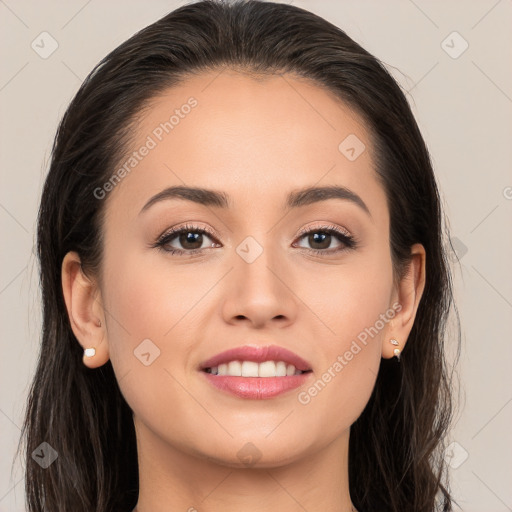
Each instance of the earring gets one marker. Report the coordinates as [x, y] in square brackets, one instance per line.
[99, 323]
[396, 351]
[90, 352]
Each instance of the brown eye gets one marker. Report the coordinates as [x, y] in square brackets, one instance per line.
[320, 240]
[185, 240]
[190, 240]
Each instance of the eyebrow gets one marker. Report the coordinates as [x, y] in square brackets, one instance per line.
[295, 199]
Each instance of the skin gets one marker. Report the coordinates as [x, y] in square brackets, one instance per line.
[255, 140]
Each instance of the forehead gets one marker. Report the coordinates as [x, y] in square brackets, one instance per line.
[252, 138]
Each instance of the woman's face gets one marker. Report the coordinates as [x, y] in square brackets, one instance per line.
[256, 279]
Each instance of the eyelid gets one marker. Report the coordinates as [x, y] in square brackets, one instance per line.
[186, 226]
[324, 226]
[305, 230]
[351, 242]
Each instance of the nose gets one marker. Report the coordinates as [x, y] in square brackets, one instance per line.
[260, 293]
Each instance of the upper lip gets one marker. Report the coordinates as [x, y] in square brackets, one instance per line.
[257, 354]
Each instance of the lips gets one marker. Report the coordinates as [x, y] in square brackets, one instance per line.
[258, 355]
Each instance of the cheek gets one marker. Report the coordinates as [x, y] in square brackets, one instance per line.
[138, 308]
[357, 314]
[149, 300]
[147, 315]
[350, 299]
[344, 303]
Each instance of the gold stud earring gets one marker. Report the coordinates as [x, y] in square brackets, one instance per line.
[396, 351]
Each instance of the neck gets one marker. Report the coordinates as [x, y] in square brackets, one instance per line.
[169, 478]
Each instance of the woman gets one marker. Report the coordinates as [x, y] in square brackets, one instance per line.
[245, 285]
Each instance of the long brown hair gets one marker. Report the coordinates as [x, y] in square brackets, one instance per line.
[395, 452]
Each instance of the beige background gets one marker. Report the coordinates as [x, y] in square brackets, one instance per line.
[463, 106]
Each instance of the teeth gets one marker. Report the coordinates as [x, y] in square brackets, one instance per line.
[235, 368]
[281, 369]
[249, 369]
[253, 369]
[267, 369]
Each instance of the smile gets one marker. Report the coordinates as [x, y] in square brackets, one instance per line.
[265, 369]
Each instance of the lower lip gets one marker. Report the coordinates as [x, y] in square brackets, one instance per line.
[258, 388]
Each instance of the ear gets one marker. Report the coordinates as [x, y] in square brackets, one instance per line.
[85, 310]
[407, 295]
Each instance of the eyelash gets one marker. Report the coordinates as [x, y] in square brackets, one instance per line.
[349, 241]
